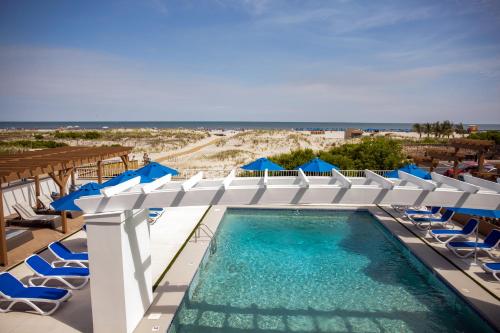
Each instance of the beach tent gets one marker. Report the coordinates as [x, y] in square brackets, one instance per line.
[411, 169]
[126, 176]
[155, 170]
[477, 212]
[262, 164]
[317, 165]
[68, 201]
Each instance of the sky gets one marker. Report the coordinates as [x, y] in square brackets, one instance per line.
[244, 60]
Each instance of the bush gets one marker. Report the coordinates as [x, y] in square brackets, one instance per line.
[291, 160]
[87, 135]
[32, 144]
[371, 153]
[488, 135]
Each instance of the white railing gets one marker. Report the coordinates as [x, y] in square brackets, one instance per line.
[110, 169]
[221, 173]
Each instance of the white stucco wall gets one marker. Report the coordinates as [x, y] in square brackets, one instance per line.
[25, 192]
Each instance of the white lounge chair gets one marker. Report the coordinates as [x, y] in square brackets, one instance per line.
[444, 235]
[45, 201]
[493, 268]
[13, 292]
[46, 272]
[27, 214]
[490, 243]
[420, 222]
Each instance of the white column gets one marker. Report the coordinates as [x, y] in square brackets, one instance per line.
[120, 268]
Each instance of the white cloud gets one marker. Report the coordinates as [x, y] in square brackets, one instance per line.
[62, 84]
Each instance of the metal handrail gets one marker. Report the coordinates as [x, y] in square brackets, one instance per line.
[209, 233]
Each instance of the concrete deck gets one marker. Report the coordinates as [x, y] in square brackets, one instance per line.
[175, 225]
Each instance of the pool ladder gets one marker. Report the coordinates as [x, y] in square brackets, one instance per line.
[209, 233]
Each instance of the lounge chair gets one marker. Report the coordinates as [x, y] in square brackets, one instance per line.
[444, 219]
[46, 272]
[28, 216]
[432, 211]
[66, 256]
[45, 201]
[493, 268]
[154, 214]
[444, 236]
[13, 291]
[490, 243]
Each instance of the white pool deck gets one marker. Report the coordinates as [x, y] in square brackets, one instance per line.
[169, 235]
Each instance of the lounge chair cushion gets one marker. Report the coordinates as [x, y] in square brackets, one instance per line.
[44, 268]
[494, 266]
[447, 232]
[64, 253]
[469, 245]
[13, 288]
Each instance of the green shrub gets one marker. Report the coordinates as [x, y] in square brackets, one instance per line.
[488, 135]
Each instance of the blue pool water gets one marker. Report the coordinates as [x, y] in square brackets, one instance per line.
[316, 271]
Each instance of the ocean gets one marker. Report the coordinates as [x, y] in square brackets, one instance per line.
[218, 125]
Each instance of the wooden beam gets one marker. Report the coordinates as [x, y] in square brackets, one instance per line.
[125, 161]
[64, 222]
[99, 172]
[482, 183]
[3, 239]
[37, 190]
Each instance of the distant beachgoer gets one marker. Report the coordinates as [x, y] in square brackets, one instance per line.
[146, 159]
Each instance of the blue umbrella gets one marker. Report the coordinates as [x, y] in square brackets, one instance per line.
[155, 170]
[412, 169]
[317, 165]
[127, 175]
[68, 201]
[477, 212]
[262, 164]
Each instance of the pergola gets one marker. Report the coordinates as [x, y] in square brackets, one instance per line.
[59, 164]
[455, 153]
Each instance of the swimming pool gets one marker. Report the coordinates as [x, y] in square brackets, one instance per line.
[316, 271]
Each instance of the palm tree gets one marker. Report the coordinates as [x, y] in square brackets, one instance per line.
[447, 128]
[418, 128]
[436, 129]
[459, 129]
[428, 129]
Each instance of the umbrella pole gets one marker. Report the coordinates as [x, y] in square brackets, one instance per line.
[474, 263]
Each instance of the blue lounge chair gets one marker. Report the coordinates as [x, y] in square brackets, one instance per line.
[493, 268]
[13, 292]
[490, 243]
[420, 221]
[432, 211]
[444, 236]
[154, 214]
[45, 272]
[66, 256]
